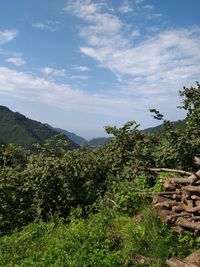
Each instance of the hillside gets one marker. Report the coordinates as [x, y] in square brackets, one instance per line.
[79, 140]
[176, 125]
[17, 129]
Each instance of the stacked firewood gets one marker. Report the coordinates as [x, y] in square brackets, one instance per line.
[179, 205]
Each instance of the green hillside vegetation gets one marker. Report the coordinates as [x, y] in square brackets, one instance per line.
[94, 207]
[15, 128]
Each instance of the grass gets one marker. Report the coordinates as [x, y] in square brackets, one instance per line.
[104, 239]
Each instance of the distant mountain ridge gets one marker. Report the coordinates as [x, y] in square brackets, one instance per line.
[17, 129]
[72, 136]
[159, 128]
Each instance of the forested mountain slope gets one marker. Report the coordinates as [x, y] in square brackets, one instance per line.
[17, 129]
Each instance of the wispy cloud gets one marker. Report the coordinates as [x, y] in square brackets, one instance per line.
[53, 72]
[167, 57]
[150, 7]
[81, 68]
[27, 86]
[56, 73]
[18, 61]
[48, 25]
[7, 36]
[125, 8]
[78, 77]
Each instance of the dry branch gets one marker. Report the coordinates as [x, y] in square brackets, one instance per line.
[171, 170]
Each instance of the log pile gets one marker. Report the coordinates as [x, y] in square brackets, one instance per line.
[179, 205]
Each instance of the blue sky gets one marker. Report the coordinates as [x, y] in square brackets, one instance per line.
[84, 64]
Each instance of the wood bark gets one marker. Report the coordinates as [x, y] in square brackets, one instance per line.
[179, 205]
[187, 224]
[171, 170]
[173, 262]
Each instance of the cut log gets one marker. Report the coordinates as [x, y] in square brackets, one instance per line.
[197, 203]
[185, 196]
[164, 214]
[176, 197]
[158, 199]
[166, 204]
[189, 203]
[177, 209]
[191, 188]
[179, 205]
[178, 229]
[177, 215]
[188, 224]
[179, 180]
[195, 197]
[169, 185]
[178, 191]
[171, 170]
[197, 160]
[173, 262]
[195, 218]
[166, 193]
[194, 258]
[194, 178]
[188, 209]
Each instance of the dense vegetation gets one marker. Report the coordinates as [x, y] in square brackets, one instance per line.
[93, 207]
[17, 129]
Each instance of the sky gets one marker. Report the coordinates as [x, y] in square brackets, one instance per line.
[81, 65]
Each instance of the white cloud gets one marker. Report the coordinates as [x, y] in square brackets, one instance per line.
[30, 87]
[18, 61]
[135, 33]
[81, 68]
[48, 25]
[125, 8]
[51, 72]
[54, 72]
[160, 61]
[150, 7]
[7, 36]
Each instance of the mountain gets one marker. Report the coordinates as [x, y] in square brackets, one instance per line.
[102, 141]
[72, 136]
[17, 129]
[176, 124]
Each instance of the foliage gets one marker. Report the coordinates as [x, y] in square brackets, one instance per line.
[104, 239]
[103, 189]
[130, 152]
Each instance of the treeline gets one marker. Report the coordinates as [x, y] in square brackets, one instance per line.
[81, 206]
